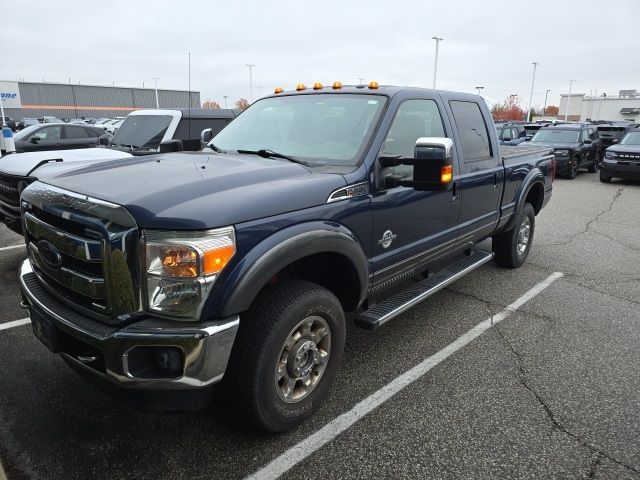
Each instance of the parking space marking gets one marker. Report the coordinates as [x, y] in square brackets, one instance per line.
[14, 323]
[338, 425]
[12, 247]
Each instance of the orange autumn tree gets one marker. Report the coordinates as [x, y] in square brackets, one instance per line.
[552, 111]
[509, 110]
[211, 104]
[242, 103]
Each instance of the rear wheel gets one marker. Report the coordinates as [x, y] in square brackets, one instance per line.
[597, 158]
[287, 354]
[574, 164]
[512, 247]
[604, 178]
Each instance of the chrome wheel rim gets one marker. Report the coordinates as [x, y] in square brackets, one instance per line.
[523, 235]
[303, 359]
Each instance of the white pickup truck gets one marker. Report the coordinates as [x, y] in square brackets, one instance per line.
[143, 132]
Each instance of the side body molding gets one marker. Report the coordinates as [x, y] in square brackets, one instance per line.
[283, 248]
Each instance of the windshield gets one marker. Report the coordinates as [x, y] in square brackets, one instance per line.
[556, 136]
[631, 138]
[321, 129]
[25, 132]
[142, 131]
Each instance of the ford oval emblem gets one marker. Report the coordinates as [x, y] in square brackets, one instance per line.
[49, 253]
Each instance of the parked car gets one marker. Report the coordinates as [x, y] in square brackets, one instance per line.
[511, 134]
[11, 123]
[611, 133]
[576, 145]
[56, 136]
[623, 159]
[47, 119]
[148, 132]
[27, 122]
[158, 277]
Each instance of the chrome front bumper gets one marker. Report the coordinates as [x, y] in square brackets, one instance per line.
[103, 350]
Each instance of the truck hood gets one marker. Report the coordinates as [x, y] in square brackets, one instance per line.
[195, 190]
[27, 163]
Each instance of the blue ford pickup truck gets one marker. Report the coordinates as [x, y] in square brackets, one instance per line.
[158, 275]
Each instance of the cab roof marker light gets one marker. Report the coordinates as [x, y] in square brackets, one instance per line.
[278, 90]
[336, 85]
[373, 85]
[301, 87]
[318, 86]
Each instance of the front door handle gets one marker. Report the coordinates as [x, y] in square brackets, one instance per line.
[455, 187]
[495, 181]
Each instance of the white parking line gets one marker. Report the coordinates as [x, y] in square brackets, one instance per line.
[12, 247]
[329, 432]
[15, 323]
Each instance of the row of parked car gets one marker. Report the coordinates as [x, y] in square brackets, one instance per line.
[109, 125]
[590, 145]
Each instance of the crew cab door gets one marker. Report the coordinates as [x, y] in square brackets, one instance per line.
[481, 170]
[410, 227]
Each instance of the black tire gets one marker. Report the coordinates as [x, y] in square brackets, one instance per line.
[505, 244]
[574, 165]
[593, 168]
[259, 346]
[604, 178]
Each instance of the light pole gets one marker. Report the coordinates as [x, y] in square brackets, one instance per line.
[259, 87]
[435, 67]
[360, 79]
[155, 83]
[479, 88]
[566, 112]
[250, 65]
[225, 100]
[544, 109]
[533, 80]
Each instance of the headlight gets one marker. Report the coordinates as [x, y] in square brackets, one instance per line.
[181, 267]
[610, 155]
[561, 153]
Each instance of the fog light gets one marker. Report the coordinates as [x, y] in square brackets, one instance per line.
[169, 360]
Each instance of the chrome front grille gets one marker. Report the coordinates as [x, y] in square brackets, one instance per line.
[83, 250]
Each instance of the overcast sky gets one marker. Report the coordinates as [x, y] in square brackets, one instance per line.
[486, 43]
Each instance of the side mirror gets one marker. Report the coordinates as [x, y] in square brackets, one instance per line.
[506, 139]
[206, 135]
[588, 141]
[173, 145]
[35, 139]
[104, 140]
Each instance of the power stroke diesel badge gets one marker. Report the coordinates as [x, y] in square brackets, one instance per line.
[387, 238]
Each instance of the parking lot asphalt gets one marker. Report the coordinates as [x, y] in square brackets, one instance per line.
[550, 392]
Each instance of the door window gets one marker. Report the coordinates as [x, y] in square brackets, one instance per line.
[593, 134]
[473, 131]
[584, 135]
[49, 133]
[74, 133]
[414, 119]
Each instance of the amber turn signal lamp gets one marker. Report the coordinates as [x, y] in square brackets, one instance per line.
[300, 87]
[373, 85]
[336, 85]
[278, 90]
[215, 260]
[446, 174]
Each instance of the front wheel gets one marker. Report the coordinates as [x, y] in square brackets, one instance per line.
[512, 247]
[574, 165]
[287, 354]
[604, 178]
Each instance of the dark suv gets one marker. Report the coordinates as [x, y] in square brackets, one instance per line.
[623, 159]
[575, 146]
[611, 133]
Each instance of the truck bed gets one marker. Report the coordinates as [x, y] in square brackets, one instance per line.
[510, 152]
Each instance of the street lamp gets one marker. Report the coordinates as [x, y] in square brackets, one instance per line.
[225, 100]
[566, 112]
[533, 80]
[250, 65]
[435, 67]
[479, 88]
[155, 83]
[544, 109]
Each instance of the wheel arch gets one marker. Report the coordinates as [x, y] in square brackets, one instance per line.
[309, 251]
[531, 191]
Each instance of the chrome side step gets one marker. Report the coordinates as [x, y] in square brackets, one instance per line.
[382, 312]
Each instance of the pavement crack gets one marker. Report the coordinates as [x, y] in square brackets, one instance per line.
[595, 463]
[587, 227]
[598, 453]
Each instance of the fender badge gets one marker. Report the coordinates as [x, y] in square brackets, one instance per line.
[387, 238]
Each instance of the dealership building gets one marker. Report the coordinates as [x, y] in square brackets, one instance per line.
[580, 106]
[66, 100]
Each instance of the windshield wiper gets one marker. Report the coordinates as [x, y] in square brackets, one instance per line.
[266, 153]
[215, 149]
